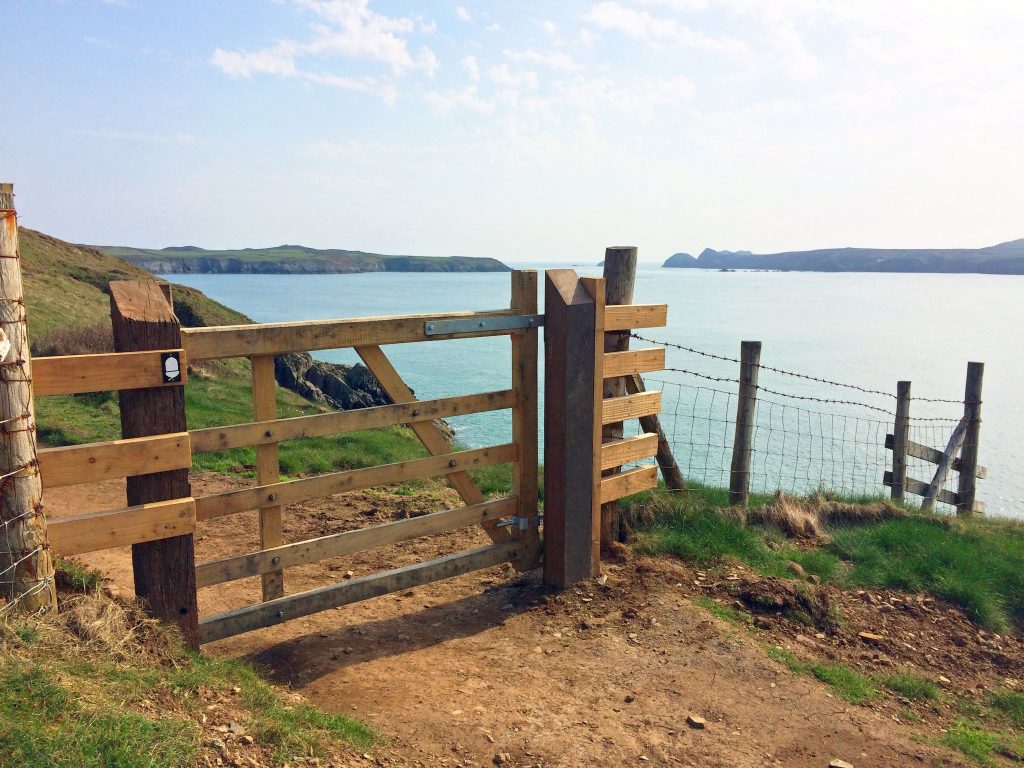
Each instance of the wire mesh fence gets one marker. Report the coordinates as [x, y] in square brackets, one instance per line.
[814, 437]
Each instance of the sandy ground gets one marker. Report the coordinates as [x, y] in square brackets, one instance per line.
[490, 668]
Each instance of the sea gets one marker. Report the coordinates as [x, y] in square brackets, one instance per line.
[848, 337]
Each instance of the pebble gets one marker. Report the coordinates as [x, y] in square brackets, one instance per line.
[839, 764]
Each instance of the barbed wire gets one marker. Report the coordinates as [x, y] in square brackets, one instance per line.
[784, 372]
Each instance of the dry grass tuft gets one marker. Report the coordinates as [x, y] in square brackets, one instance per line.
[809, 518]
[115, 627]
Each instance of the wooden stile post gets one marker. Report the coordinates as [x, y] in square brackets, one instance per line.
[26, 566]
[746, 413]
[967, 488]
[571, 400]
[268, 466]
[619, 277]
[524, 416]
[900, 438]
[164, 570]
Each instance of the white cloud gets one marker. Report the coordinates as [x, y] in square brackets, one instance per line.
[495, 27]
[147, 138]
[462, 14]
[502, 75]
[640, 98]
[549, 26]
[347, 29]
[444, 102]
[469, 63]
[643, 26]
[557, 60]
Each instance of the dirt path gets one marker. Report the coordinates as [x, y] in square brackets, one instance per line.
[490, 668]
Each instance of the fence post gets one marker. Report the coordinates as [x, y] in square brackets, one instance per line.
[524, 415]
[164, 570]
[571, 430]
[900, 438]
[26, 565]
[619, 277]
[746, 411]
[967, 488]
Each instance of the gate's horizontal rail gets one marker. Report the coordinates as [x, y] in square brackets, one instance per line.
[347, 542]
[919, 488]
[626, 451]
[292, 491]
[632, 362]
[75, 374]
[340, 422]
[629, 482]
[307, 336]
[630, 407]
[90, 463]
[625, 317]
[119, 527]
[929, 454]
[303, 604]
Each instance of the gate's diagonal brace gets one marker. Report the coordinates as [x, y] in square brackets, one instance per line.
[431, 437]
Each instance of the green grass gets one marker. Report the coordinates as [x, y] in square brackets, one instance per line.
[976, 563]
[981, 744]
[911, 686]
[1010, 705]
[724, 612]
[845, 681]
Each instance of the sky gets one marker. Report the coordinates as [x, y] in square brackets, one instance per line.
[526, 131]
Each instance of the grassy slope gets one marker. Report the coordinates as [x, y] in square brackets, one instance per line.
[330, 259]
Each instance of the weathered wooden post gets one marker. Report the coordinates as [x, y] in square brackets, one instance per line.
[967, 488]
[746, 413]
[164, 570]
[524, 415]
[619, 278]
[900, 438]
[26, 566]
[571, 400]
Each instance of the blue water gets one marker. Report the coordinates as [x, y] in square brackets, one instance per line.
[865, 329]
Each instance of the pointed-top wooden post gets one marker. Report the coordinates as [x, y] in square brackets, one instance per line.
[164, 570]
[26, 567]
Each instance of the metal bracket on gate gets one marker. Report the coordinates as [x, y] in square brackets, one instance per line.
[471, 325]
[522, 523]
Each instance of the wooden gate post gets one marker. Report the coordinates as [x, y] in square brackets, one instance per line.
[619, 278]
[746, 412]
[571, 400]
[900, 438]
[524, 416]
[967, 488]
[164, 570]
[26, 566]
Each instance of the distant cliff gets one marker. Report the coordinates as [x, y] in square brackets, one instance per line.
[290, 259]
[1003, 259]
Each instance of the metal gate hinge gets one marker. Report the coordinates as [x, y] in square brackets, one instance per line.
[475, 325]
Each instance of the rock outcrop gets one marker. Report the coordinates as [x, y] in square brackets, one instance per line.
[339, 386]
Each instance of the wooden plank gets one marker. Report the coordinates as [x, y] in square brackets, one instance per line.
[934, 456]
[164, 571]
[670, 471]
[597, 288]
[619, 452]
[524, 418]
[942, 469]
[633, 361]
[292, 491]
[274, 612]
[307, 336]
[94, 531]
[74, 374]
[432, 438]
[630, 407]
[342, 422]
[347, 542]
[629, 482]
[625, 317]
[571, 398]
[919, 488]
[268, 467]
[90, 463]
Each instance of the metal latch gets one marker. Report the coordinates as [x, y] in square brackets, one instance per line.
[472, 324]
[522, 523]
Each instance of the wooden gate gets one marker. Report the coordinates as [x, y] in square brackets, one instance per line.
[150, 368]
